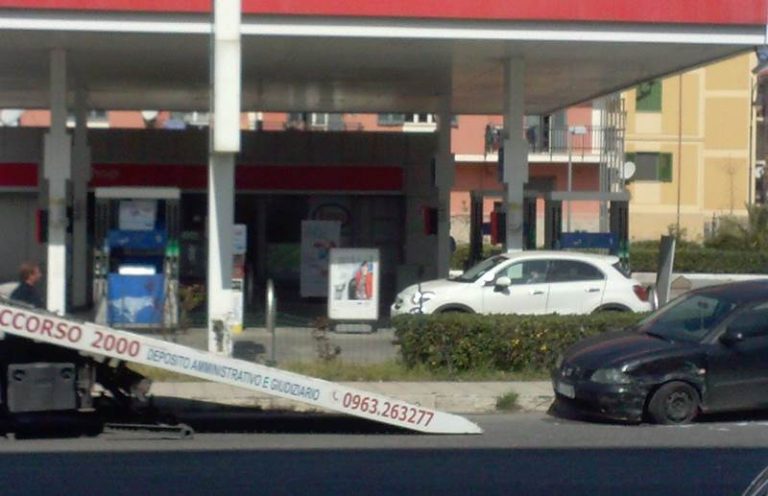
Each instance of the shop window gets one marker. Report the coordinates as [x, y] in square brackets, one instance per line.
[651, 166]
[648, 96]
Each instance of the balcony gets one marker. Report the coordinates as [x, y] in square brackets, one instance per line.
[555, 144]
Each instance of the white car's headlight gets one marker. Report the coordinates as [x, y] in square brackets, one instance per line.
[420, 298]
[611, 376]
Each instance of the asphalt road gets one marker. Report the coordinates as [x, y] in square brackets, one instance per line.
[239, 452]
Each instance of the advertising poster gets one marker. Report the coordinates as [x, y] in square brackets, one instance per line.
[353, 284]
[318, 237]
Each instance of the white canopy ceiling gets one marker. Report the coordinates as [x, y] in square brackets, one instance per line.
[351, 65]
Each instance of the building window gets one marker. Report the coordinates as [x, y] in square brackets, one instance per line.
[319, 120]
[97, 115]
[421, 118]
[295, 120]
[391, 119]
[651, 166]
[648, 97]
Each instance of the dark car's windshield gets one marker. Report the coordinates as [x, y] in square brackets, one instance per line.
[477, 271]
[689, 318]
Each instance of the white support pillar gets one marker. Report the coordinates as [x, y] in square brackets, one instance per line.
[81, 174]
[221, 180]
[57, 157]
[515, 151]
[444, 177]
[225, 143]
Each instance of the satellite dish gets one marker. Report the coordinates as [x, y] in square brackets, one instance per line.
[10, 117]
[148, 115]
[628, 170]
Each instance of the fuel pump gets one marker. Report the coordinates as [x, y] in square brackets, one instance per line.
[136, 257]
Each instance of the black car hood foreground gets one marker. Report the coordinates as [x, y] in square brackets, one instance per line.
[614, 348]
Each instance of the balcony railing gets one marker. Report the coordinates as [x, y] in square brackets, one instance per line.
[576, 140]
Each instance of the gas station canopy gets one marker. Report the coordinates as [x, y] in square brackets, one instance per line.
[365, 56]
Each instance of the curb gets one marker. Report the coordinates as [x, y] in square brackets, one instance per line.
[452, 397]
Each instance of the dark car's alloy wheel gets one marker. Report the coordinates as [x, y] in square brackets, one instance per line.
[674, 403]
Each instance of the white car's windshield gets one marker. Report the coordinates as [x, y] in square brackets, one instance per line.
[477, 271]
[689, 318]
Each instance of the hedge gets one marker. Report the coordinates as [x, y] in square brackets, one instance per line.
[462, 342]
[689, 257]
[703, 260]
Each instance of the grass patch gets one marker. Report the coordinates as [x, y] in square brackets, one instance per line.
[507, 402]
[337, 370]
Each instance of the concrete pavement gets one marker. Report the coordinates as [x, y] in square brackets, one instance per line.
[454, 397]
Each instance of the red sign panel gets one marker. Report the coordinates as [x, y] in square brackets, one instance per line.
[18, 176]
[247, 178]
[749, 12]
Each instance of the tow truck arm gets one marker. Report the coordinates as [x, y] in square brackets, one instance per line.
[63, 340]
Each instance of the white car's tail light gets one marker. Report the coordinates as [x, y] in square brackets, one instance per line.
[641, 292]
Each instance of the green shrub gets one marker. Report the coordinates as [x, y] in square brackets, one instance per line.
[461, 255]
[706, 260]
[461, 342]
[507, 402]
[739, 233]
[689, 257]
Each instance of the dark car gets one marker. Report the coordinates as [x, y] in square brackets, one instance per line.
[706, 351]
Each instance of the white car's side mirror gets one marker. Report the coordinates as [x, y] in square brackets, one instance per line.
[503, 282]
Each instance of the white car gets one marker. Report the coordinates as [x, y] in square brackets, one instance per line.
[530, 282]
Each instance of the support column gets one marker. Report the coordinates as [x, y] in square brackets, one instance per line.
[445, 171]
[225, 143]
[57, 157]
[475, 228]
[81, 174]
[221, 180]
[515, 151]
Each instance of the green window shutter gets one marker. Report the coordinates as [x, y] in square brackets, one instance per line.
[648, 97]
[664, 169]
[629, 157]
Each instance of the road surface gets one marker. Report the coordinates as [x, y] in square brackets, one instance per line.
[238, 452]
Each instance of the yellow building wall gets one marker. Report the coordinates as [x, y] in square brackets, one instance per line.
[727, 122]
[707, 122]
[725, 189]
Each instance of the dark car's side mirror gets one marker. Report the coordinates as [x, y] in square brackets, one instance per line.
[732, 336]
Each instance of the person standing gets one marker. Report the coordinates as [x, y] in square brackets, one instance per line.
[26, 292]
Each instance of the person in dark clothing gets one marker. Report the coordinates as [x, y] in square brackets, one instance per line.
[23, 350]
[29, 275]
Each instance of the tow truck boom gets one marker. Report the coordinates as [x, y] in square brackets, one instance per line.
[85, 337]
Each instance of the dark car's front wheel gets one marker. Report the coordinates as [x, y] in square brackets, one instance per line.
[674, 403]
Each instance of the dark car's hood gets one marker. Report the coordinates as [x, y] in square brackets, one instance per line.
[615, 348]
